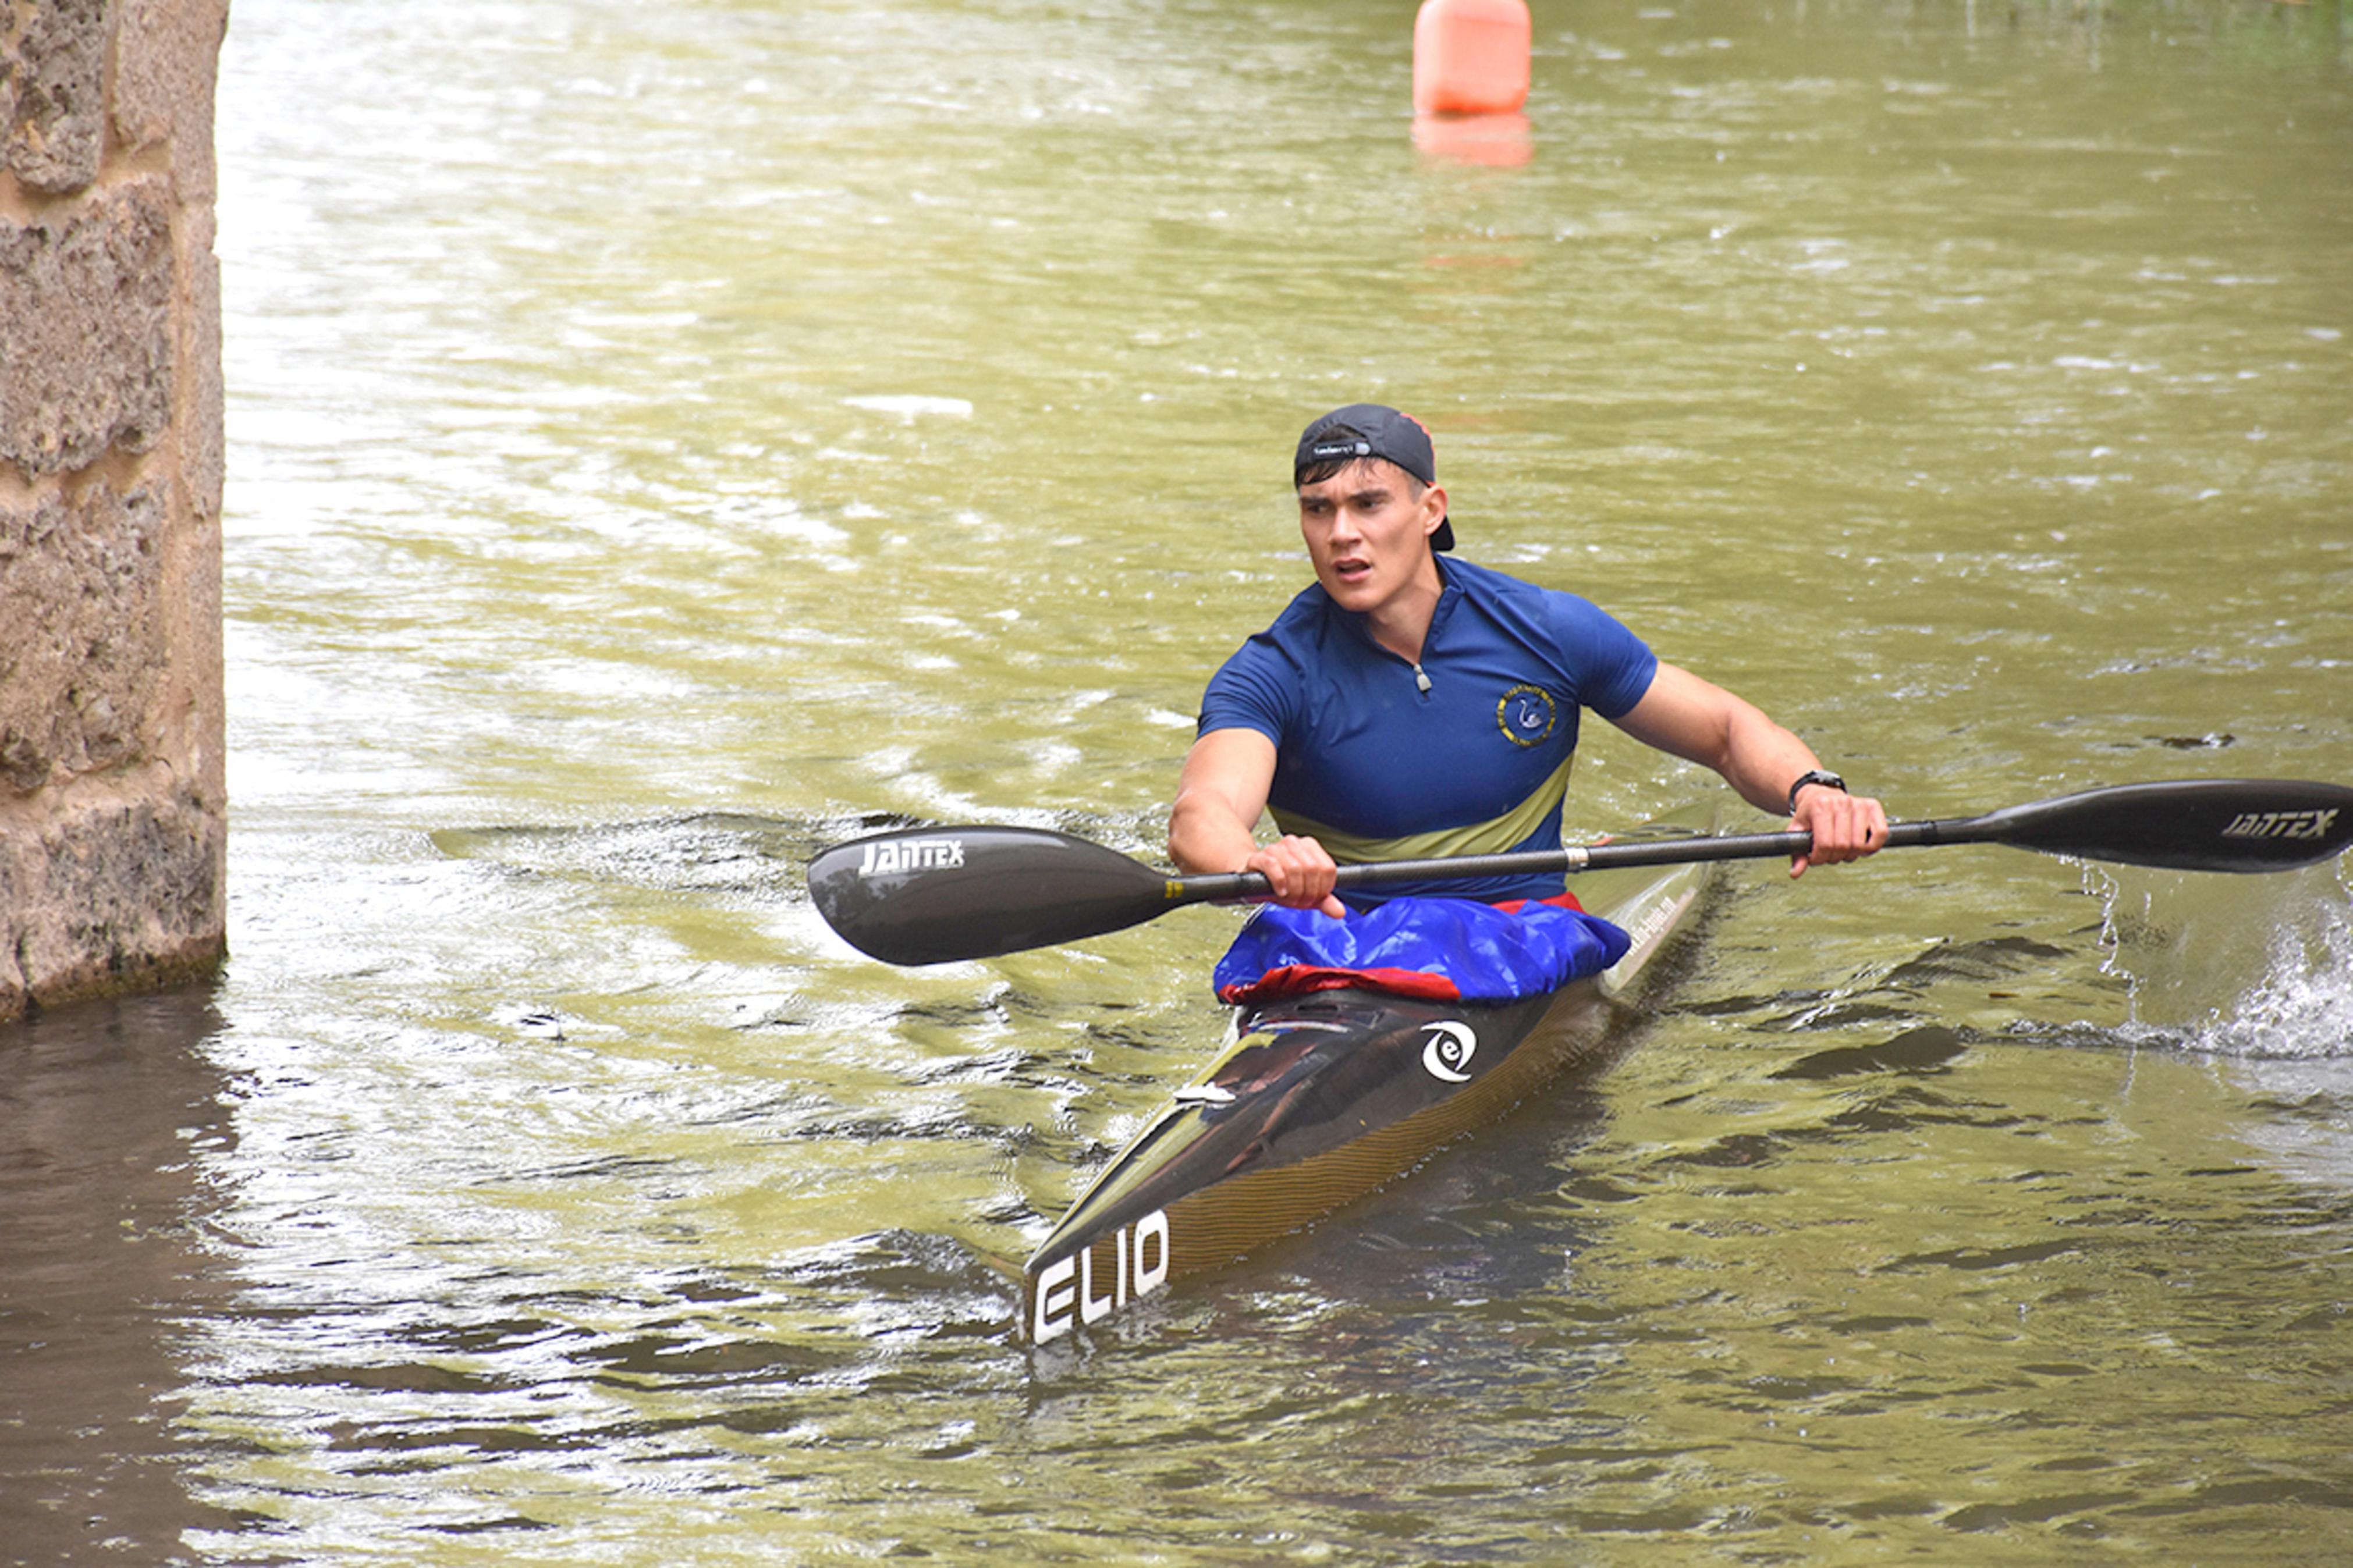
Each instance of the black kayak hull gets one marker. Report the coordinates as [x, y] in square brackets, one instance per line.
[1319, 1100]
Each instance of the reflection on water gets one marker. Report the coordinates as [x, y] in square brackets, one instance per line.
[668, 439]
[114, 1127]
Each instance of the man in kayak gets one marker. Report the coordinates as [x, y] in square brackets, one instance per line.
[1408, 707]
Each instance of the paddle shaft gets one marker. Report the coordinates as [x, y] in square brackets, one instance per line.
[1243, 886]
[933, 895]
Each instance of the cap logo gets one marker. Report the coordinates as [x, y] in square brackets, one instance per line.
[1324, 450]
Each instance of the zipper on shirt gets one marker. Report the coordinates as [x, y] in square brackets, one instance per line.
[1420, 682]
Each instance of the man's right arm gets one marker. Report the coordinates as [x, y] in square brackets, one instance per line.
[1211, 823]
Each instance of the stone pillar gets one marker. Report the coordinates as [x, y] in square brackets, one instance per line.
[113, 814]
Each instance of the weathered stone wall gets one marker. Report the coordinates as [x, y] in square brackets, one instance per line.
[113, 801]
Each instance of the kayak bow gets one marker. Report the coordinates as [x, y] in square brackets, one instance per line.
[1320, 1098]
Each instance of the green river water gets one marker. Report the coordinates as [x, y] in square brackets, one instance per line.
[667, 439]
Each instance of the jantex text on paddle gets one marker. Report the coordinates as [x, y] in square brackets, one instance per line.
[2280, 824]
[897, 857]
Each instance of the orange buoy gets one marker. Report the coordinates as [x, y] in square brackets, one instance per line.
[1470, 56]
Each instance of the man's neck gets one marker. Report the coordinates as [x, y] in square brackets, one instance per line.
[1402, 625]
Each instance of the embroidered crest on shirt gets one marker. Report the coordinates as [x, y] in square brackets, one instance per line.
[1526, 715]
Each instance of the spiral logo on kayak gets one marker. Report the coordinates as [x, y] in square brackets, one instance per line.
[1526, 715]
[1448, 1052]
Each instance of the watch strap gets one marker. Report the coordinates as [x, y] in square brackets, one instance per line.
[1821, 776]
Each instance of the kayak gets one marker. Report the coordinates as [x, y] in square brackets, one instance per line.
[1320, 1098]
[1317, 1099]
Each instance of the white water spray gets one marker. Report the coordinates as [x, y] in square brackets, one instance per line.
[2251, 967]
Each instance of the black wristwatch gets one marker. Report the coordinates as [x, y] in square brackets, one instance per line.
[1814, 777]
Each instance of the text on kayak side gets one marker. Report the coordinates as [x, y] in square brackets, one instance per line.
[1064, 1295]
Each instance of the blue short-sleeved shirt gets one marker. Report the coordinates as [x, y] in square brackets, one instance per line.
[1380, 769]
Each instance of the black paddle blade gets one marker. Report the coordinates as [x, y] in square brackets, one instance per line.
[2191, 824]
[937, 894]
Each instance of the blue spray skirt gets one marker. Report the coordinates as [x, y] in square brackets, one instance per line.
[1443, 949]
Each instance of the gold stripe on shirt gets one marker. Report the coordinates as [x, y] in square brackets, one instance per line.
[1492, 837]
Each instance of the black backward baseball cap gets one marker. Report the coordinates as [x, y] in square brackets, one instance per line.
[1372, 430]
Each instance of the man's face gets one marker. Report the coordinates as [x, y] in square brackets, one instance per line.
[1368, 531]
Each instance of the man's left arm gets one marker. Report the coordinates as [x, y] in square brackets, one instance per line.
[1703, 723]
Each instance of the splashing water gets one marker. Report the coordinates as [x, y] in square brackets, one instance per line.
[2302, 1007]
[2186, 945]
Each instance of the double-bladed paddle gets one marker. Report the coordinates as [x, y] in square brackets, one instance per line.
[939, 894]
